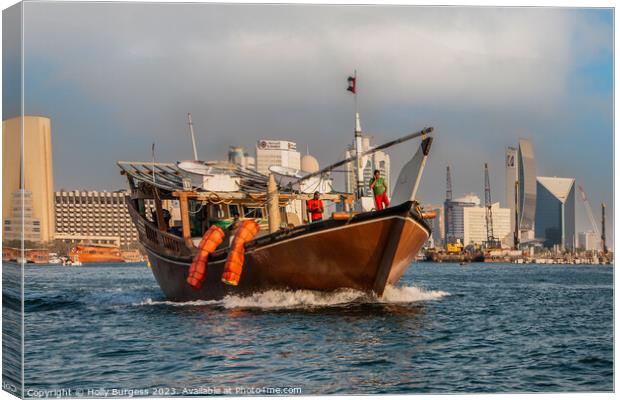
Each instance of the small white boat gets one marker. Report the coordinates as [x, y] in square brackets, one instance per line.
[54, 259]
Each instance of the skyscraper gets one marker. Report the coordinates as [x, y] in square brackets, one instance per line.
[527, 189]
[455, 227]
[35, 170]
[521, 167]
[511, 178]
[555, 211]
[378, 160]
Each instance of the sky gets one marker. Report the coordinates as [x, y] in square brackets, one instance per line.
[116, 77]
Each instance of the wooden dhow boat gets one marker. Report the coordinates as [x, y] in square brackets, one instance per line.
[349, 249]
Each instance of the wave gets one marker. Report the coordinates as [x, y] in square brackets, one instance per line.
[289, 299]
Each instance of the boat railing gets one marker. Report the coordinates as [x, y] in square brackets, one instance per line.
[160, 241]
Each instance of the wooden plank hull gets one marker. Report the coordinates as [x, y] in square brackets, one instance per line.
[366, 253]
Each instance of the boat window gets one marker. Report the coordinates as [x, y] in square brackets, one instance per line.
[198, 217]
[252, 212]
[232, 209]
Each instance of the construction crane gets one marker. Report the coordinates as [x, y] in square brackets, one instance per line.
[448, 208]
[586, 204]
[516, 232]
[488, 204]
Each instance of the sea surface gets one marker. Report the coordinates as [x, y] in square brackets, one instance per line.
[107, 330]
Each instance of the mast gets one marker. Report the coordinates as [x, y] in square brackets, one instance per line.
[358, 141]
[153, 154]
[191, 132]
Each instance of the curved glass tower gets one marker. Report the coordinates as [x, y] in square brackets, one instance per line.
[527, 187]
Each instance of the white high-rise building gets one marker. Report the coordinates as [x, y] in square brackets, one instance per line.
[589, 241]
[276, 152]
[455, 228]
[378, 160]
[475, 224]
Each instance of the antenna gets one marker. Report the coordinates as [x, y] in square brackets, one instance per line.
[191, 132]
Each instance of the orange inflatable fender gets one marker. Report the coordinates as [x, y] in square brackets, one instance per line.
[234, 262]
[212, 238]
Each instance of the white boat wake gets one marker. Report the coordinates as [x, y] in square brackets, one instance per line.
[281, 299]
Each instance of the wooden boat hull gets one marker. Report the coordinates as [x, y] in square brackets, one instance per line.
[365, 253]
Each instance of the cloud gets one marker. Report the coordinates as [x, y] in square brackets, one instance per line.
[121, 75]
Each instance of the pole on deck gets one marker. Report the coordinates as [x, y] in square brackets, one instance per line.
[272, 204]
[187, 235]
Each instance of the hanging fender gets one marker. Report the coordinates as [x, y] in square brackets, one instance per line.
[234, 262]
[212, 238]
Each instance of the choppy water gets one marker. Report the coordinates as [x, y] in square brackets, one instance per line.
[446, 329]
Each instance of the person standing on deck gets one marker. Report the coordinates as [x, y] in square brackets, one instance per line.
[377, 184]
[314, 207]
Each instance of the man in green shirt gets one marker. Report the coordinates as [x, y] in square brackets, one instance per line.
[379, 189]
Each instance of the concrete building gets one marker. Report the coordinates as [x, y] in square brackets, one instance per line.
[21, 220]
[521, 167]
[237, 155]
[589, 240]
[379, 160]
[455, 229]
[555, 212]
[276, 152]
[35, 169]
[475, 224]
[437, 224]
[96, 217]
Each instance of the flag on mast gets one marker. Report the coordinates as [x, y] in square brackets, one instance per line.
[351, 81]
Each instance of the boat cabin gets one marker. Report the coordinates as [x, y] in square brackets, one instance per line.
[159, 190]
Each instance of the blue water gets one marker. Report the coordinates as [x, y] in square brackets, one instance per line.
[447, 329]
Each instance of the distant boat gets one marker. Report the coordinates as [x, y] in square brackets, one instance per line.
[54, 259]
[95, 253]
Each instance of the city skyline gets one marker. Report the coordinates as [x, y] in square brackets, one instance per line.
[121, 85]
